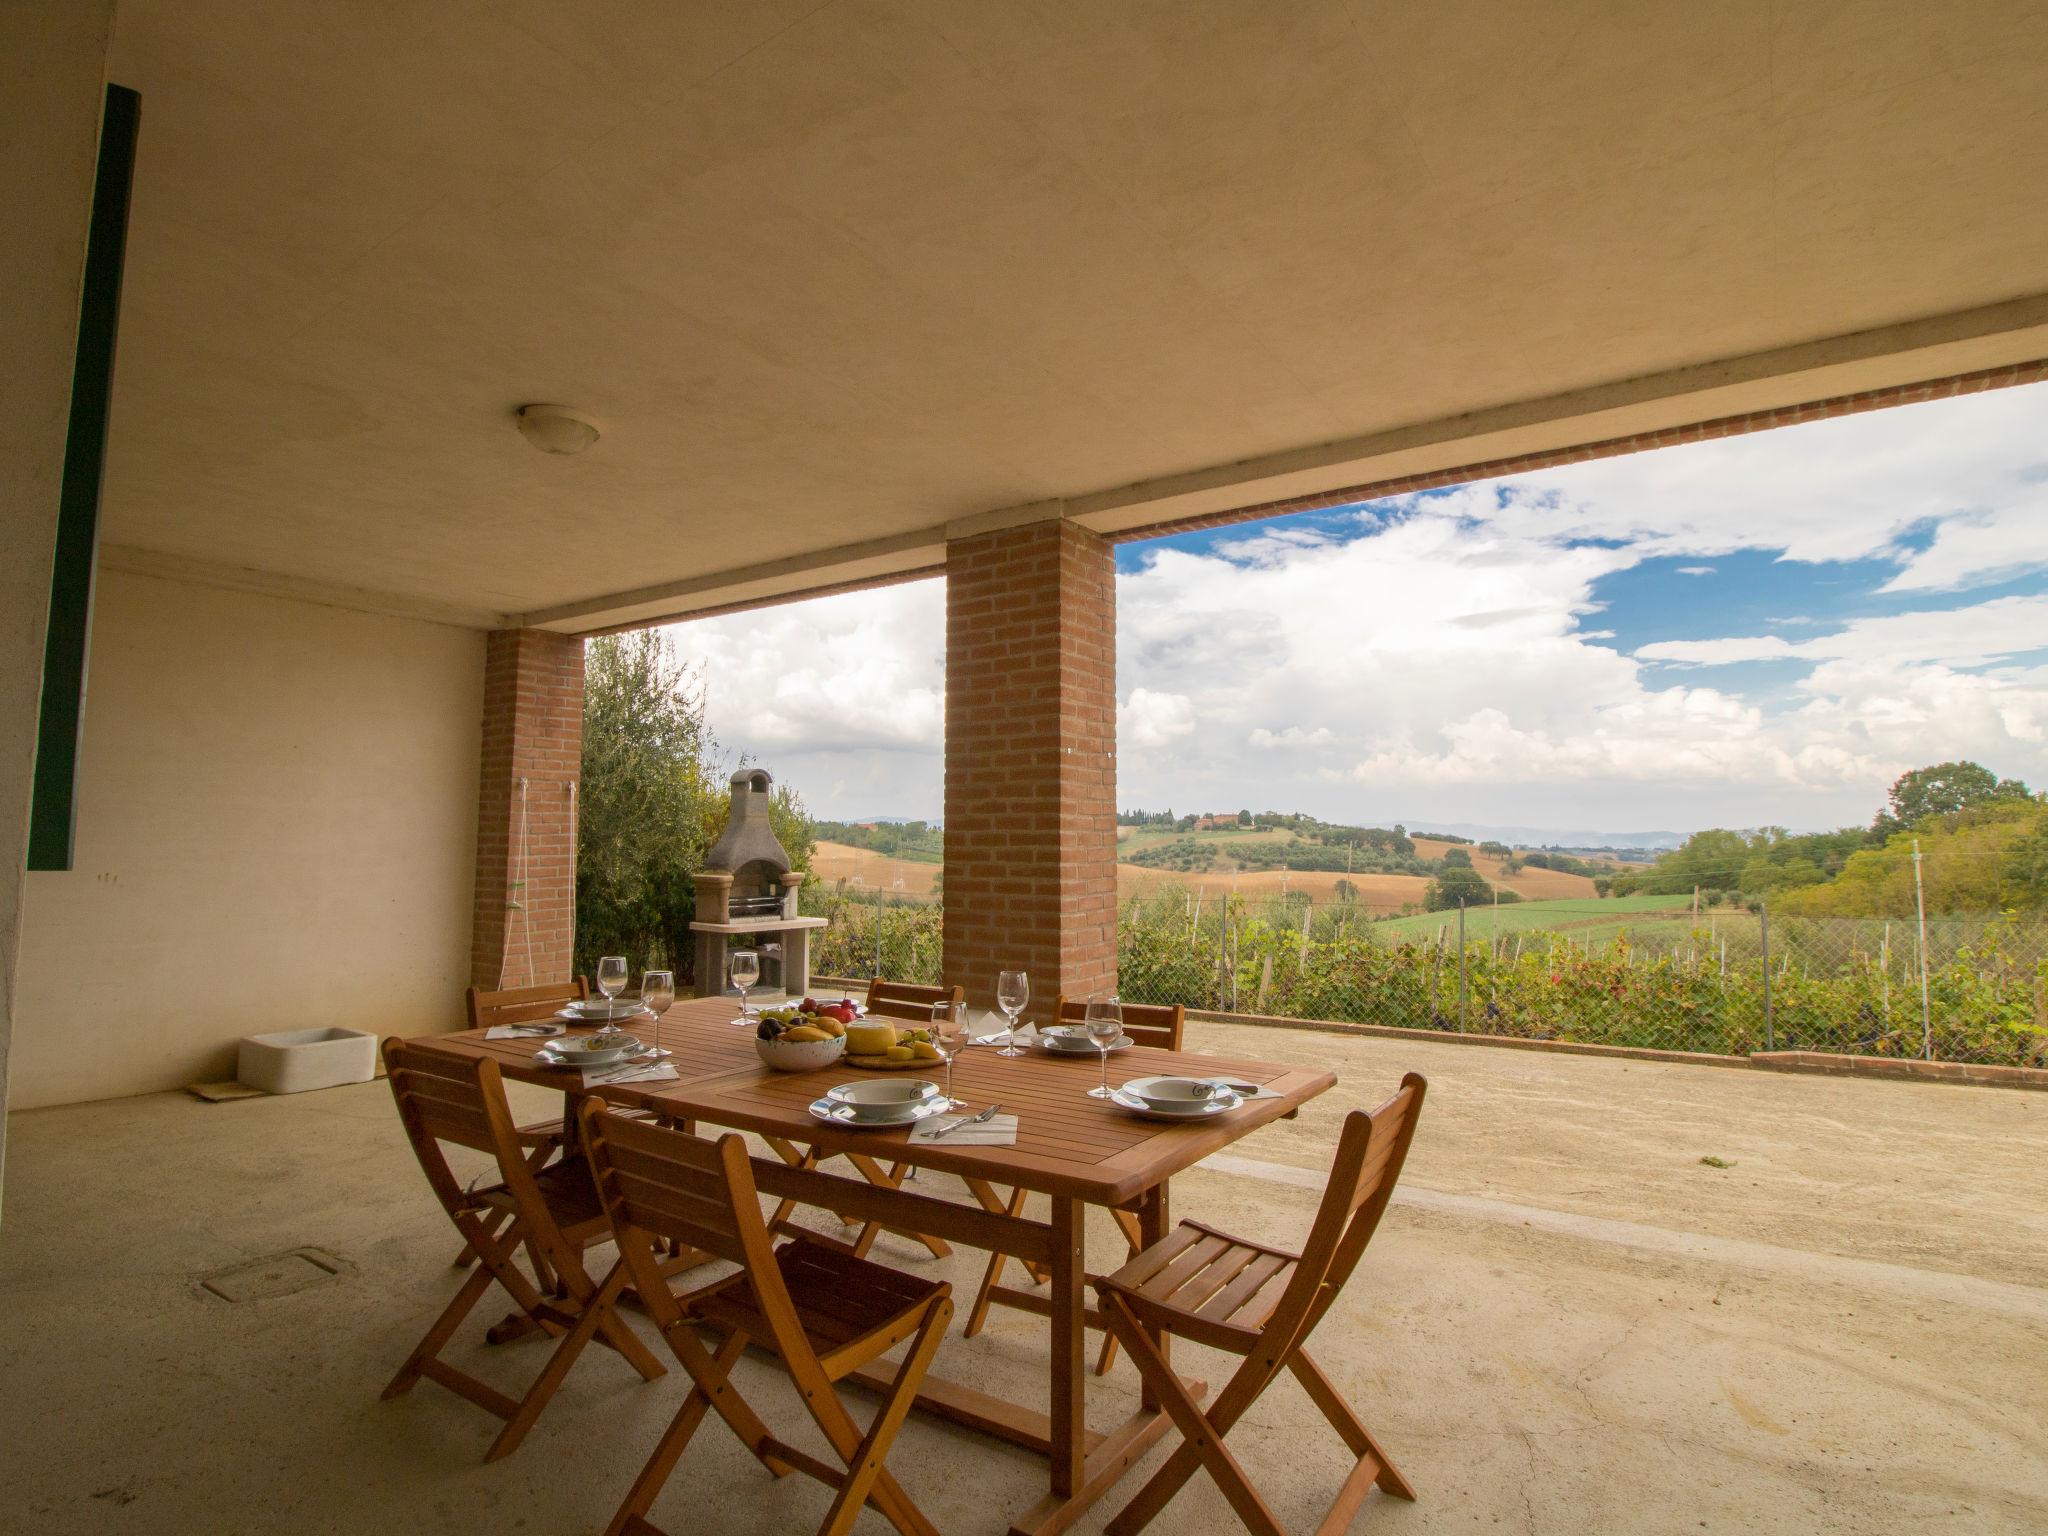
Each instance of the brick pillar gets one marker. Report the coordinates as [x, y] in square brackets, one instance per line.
[533, 734]
[1031, 762]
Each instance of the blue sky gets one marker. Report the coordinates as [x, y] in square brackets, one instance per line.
[1753, 630]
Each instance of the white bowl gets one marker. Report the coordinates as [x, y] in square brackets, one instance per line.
[599, 1009]
[883, 1098]
[1183, 1094]
[799, 1055]
[574, 1050]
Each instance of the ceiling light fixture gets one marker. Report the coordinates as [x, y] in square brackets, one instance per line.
[556, 428]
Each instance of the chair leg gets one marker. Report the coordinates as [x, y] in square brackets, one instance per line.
[739, 1417]
[890, 1178]
[1127, 1223]
[442, 1331]
[1324, 1394]
[867, 1467]
[977, 1310]
[596, 1313]
[653, 1476]
[1202, 1435]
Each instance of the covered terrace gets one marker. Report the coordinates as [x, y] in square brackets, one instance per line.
[858, 293]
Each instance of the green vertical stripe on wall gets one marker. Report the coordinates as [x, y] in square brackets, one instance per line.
[54, 808]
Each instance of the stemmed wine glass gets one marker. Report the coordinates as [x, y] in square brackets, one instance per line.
[949, 1034]
[1013, 991]
[745, 970]
[658, 992]
[1105, 1024]
[611, 977]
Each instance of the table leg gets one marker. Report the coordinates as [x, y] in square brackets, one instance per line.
[1068, 1340]
[1154, 1221]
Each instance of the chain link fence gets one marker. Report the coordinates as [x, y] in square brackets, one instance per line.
[875, 933]
[1726, 980]
[1614, 972]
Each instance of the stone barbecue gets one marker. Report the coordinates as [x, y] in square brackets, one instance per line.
[746, 897]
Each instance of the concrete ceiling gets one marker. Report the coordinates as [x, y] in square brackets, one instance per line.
[836, 276]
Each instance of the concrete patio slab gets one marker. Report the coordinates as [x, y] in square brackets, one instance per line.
[1568, 1323]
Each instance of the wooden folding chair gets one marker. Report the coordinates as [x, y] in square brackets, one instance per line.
[551, 1212]
[1261, 1303]
[1147, 1024]
[522, 1005]
[914, 1004]
[823, 1312]
[909, 1000]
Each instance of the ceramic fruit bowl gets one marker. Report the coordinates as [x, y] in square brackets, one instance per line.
[785, 1055]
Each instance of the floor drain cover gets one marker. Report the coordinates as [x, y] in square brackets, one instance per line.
[280, 1274]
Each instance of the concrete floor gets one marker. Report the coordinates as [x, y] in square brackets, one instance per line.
[1568, 1323]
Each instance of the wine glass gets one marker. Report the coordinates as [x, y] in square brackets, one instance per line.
[658, 992]
[1013, 991]
[1105, 1025]
[611, 976]
[745, 970]
[949, 1033]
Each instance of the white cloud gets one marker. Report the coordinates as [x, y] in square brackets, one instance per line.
[1440, 657]
[1981, 632]
[842, 697]
[1435, 666]
[1840, 489]
[1149, 719]
[1989, 545]
[1293, 736]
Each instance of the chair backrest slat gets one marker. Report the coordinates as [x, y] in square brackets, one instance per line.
[675, 1185]
[1370, 1151]
[445, 1099]
[1158, 1024]
[446, 1106]
[910, 1000]
[520, 1005]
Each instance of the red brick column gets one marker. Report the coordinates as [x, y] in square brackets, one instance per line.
[533, 738]
[1031, 762]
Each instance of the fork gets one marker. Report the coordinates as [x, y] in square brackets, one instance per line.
[958, 1125]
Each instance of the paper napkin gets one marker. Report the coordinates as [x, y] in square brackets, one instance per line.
[629, 1072]
[990, 1029]
[1246, 1089]
[998, 1132]
[537, 1031]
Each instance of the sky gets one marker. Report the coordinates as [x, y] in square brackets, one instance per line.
[1761, 630]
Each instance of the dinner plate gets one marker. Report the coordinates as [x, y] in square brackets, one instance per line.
[843, 1115]
[1080, 1045]
[575, 1056]
[546, 1057]
[620, 1013]
[1221, 1104]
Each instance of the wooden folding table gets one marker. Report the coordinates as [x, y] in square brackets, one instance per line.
[1073, 1149]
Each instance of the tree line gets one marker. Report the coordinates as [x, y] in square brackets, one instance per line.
[1983, 842]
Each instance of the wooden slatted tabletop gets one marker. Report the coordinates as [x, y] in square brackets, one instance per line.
[1067, 1143]
[1077, 1150]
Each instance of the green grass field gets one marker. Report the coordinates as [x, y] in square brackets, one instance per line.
[1592, 922]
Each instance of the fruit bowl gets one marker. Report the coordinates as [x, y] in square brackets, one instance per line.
[799, 1055]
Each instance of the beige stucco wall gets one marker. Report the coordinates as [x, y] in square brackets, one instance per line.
[52, 73]
[276, 829]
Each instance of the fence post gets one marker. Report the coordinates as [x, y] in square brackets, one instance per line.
[878, 930]
[1920, 906]
[1884, 962]
[1461, 966]
[1763, 928]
